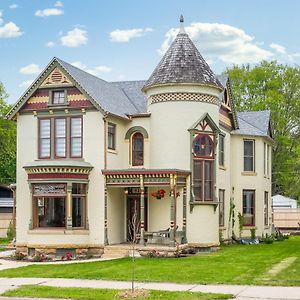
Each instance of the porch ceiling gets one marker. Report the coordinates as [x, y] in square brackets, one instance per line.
[150, 177]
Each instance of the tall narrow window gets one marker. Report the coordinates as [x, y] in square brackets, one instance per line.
[78, 204]
[44, 138]
[221, 150]
[249, 207]
[111, 136]
[203, 167]
[221, 207]
[60, 137]
[76, 137]
[266, 209]
[268, 159]
[137, 149]
[58, 97]
[249, 165]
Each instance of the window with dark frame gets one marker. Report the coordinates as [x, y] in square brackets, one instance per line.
[111, 136]
[60, 135]
[266, 209]
[249, 207]
[50, 202]
[76, 137]
[44, 138]
[58, 97]
[137, 149]
[53, 134]
[249, 156]
[221, 207]
[221, 150]
[203, 167]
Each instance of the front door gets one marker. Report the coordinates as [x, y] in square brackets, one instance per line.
[134, 214]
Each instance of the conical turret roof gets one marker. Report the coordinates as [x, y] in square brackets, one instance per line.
[183, 63]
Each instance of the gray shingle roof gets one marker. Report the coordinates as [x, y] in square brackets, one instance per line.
[255, 123]
[183, 63]
[133, 90]
[109, 96]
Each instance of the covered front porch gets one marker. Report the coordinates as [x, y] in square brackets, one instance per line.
[145, 206]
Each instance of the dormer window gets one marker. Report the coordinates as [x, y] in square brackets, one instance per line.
[58, 97]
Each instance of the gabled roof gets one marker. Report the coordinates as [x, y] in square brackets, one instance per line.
[104, 95]
[183, 63]
[133, 90]
[255, 123]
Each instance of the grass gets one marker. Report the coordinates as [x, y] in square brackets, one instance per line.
[237, 264]
[103, 294]
[4, 241]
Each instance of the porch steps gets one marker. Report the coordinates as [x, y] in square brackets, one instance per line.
[116, 251]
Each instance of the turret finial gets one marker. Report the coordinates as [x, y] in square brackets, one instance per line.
[181, 25]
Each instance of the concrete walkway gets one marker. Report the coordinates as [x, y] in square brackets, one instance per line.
[239, 291]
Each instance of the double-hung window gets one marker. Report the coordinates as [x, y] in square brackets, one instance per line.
[137, 145]
[76, 137]
[44, 138]
[266, 209]
[249, 207]
[60, 137]
[111, 136]
[54, 134]
[249, 155]
[221, 207]
[221, 150]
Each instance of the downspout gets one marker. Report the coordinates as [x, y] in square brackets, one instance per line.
[105, 141]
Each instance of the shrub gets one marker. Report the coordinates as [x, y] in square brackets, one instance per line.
[152, 254]
[39, 258]
[18, 255]
[10, 231]
[268, 239]
[67, 256]
[253, 233]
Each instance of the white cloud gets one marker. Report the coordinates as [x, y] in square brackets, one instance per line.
[26, 83]
[96, 71]
[74, 38]
[123, 36]
[220, 41]
[10, 30]
[279, 48]
[50, 44]
[13, 6]
[1, 20]
[58, 4]
[30, 69]
[48, 12]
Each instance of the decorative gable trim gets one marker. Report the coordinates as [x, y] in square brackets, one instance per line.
[205, 122]
[231, 104]
[41, 79]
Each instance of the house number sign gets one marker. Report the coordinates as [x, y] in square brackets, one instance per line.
[49, 189]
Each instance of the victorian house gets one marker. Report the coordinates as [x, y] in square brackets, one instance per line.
[171, 153]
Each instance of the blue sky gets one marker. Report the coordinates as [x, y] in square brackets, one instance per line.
[124, 40]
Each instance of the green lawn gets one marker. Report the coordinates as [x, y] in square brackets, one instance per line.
[4, 241]
[237, 264]
[103, 294]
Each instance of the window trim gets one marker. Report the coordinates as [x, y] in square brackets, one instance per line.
[253, 148]
[254, 198]
[66, 137]
[70, 137]
[222, 164]
[51, 97]
[114, 136]
[223, 203]
[132, 150]
[39, 139]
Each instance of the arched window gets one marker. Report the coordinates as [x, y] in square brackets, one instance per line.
[137, 148]
[203, 167]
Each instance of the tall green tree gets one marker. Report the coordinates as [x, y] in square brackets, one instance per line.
[7, 142]
[274, 86]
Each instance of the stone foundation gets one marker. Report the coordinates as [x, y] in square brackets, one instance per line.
[56, 251]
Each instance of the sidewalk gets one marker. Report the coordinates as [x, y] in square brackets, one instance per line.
[241, 292]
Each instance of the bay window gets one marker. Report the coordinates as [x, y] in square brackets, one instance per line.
[249, 207]
[203, 167]
[53, 135]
